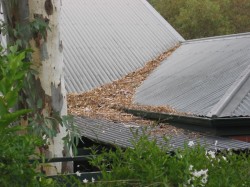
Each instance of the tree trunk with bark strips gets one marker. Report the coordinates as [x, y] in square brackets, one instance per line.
[47, 59]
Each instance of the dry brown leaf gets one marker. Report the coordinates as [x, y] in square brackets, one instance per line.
[105, 101]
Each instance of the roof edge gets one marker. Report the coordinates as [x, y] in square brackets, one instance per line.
[216, 126]
[218, 108]
[162, 20]
[208, 39]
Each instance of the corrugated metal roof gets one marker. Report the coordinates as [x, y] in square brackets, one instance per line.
[244, 107]
[106, 39]
[121, 134]
[207, 77]
[235, 101]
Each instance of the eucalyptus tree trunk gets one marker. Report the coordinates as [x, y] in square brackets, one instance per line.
[47, 59]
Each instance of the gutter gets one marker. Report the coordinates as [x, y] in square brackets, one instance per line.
[228, 126]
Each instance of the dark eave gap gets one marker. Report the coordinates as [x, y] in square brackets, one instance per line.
[225, 126]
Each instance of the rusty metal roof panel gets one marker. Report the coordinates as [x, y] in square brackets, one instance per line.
[121, 134]
[207, 77]
[106, 39]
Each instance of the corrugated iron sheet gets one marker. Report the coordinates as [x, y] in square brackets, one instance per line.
[234, 101]
[106, 39]
[243, 108]
[199, 75]
[121, 134]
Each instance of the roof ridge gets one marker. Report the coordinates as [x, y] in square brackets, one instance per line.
[230, 93]
[222, 37]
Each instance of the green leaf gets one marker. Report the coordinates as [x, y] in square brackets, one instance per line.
[3, 108]
[19, 75]
[2, 87]
[19, 43]
[6, 119]
[13, 49]
[11, 98]
[39, 103]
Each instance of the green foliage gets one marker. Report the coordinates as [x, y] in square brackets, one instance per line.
[238, 13]
[48, 127]
[28, 93]
[72, 137]
[196, 19]
[146, 164]
[201, 18]
[40, 122]
[15, 169]
[21, 34]
[169, 9]
[16, 147]
[13, 69]
[21, 95]
[17, 76]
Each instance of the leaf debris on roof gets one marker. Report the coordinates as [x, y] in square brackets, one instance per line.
[105, 102]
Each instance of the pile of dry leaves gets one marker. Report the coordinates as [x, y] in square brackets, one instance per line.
[105, 102]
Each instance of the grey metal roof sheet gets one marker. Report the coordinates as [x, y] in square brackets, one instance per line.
[106, 39]
[121, 134]
[244, 107]
[235, 102]
[207, 77]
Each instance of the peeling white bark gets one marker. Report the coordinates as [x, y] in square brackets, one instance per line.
[50, 53]
[48, 56]
[47, 59]
[3, 39]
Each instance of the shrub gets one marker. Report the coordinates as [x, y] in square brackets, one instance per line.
[148, 164]
[16, 147]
